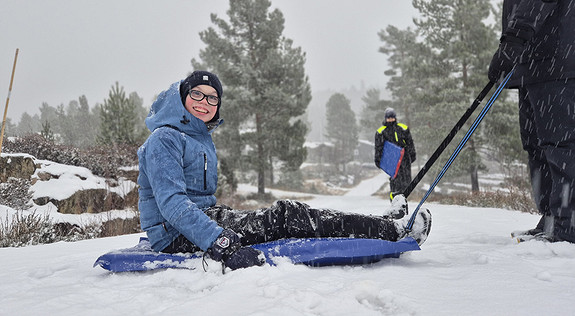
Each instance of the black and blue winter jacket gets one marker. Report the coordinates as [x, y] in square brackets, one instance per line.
[549, 28]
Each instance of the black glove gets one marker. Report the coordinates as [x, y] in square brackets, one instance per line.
[506, 56]
[228, 249]
[245, 257]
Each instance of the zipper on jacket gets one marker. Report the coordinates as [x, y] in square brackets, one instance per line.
[205, 171]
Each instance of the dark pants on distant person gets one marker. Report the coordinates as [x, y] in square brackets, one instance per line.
[293, 219]
[547, 125]
[402, 180]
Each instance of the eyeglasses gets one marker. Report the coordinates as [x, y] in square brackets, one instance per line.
[199, 96]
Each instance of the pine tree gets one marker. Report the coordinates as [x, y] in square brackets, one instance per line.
[46, 132]
[463, 44]
[50, 114]
[341, 128]
[372, 113]
[9, 128]
[502, 134]
[120, 118]
[266, 90]
[140, 130]
[86, 124]
[81, 126]
[28, 124]
[410, 62]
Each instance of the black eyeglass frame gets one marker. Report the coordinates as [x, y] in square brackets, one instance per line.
[209, 98]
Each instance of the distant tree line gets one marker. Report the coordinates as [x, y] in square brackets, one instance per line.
[119, 120]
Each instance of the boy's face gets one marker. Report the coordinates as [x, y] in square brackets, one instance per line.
[202, 109]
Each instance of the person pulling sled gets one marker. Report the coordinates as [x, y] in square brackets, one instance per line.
[537, 41]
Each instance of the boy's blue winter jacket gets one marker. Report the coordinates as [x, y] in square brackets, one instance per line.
[178, 175]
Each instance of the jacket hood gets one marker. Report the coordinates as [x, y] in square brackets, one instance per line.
[168, 110]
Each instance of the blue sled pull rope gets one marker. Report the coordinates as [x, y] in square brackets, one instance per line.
[460, 147]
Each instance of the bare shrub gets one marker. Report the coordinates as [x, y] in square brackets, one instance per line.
[15, 194]
[103, 161]
[517, 200]
[31, 229]
[24, 230]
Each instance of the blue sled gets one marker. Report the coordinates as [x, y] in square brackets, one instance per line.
[315, 252]
[391, 157]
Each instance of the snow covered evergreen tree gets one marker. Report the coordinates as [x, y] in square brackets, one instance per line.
[50, 114]
[47, 132]
[409, 62]
[266, 90]
[81, 126]
[121, 118]
[372, 113]
[341, 128]
[9, 128]
[29, 124]
[458, 31]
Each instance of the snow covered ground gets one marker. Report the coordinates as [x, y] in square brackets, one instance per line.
[468, 266]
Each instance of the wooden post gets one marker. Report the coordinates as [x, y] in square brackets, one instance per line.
[8, 100]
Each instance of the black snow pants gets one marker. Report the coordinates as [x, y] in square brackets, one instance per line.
[293, 219]
[403, 178]
[547, 125]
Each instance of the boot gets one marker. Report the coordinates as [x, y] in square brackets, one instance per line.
[421, 226]
[398, 208]
[530, 232]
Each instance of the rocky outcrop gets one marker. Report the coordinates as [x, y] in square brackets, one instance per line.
[20, 167]
[99, 194]
[86, 201]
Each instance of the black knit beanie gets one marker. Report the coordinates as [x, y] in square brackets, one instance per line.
[389, 113]
[201, 77]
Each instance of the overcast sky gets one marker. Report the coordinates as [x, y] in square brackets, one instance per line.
[82, 47]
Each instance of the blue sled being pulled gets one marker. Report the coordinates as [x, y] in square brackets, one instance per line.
[309, 251]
